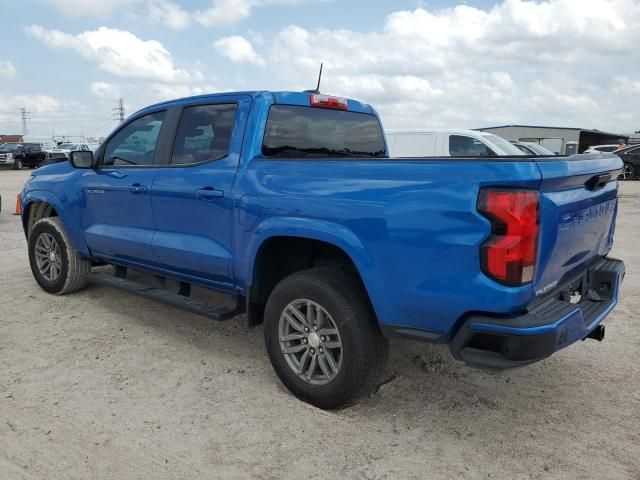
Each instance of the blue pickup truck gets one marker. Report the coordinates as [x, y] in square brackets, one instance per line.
[289, 203]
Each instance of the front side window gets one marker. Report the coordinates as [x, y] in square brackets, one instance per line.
[135, 144]
[297, 132]
[463, 146]
[204, 133]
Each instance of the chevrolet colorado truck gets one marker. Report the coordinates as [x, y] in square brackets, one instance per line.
[289, 203]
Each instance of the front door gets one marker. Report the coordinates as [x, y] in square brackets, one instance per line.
[192, 199]
[117, 217]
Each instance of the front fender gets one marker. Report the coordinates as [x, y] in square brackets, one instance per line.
[62, 206]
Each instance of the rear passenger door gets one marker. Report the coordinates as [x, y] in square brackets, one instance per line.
[192, 195]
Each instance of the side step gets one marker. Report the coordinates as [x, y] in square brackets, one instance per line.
[165, 296]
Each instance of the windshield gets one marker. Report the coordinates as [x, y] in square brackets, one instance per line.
[539, 149]
[10, 147]
[526, 149]
[505, 147]
[295, 131]
[67, 146]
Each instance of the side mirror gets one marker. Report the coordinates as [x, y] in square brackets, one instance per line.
[81, 159]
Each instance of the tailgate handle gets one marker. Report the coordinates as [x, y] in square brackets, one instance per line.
[597, 182]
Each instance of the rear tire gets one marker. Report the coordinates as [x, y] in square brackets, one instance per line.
[56, 265]
[628, 172]
[345, 354]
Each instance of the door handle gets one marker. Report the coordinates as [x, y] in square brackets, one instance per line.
[137, 188]
[209, 193]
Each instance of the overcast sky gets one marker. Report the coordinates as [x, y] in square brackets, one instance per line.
[420, 63]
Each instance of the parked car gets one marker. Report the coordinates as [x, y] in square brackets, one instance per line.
[288, 202]
[61, 152]
[446, 143]
[631, 158]
[530, 148]
[602, 148]
[21, 154]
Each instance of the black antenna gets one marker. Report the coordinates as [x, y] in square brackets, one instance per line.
[317, 90]
[319, 78]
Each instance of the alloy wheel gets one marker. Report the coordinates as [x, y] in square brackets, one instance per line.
[310, 342]
[48, 257]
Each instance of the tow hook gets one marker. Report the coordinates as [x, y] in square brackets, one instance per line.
[596, 334]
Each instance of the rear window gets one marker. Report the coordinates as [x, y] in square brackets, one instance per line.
[294, 131]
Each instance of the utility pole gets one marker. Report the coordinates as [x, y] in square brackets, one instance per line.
[119, 110]
[25, 116]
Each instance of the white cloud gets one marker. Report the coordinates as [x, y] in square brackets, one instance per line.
[172, 14]
[168, 13]
[105, 90]
[237, 49]
[626, 85]
[94, 8]
[119, 53]
[10, 106]
[7, 70]
[519, 61]
[227, 12]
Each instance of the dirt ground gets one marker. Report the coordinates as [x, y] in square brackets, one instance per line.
[103, 384]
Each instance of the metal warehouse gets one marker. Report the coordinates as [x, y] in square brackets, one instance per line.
[561, 140]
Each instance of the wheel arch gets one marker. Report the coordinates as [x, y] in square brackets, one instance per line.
[306, 243]
[39, 204]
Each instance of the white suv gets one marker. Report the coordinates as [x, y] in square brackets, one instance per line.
[602, 148]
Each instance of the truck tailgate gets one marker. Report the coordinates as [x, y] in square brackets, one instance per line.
[578, 205]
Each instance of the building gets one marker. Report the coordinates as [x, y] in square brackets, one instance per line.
[561, 140]
[10, 138]
[634, 138]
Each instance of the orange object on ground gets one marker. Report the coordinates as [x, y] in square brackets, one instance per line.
[18, 207]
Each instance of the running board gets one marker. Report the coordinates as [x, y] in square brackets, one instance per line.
[165, 296]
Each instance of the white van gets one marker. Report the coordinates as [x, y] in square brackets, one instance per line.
[448, 143]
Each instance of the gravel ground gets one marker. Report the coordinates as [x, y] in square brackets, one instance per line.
[103, 384]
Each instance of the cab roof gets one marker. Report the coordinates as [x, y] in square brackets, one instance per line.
[282, 97]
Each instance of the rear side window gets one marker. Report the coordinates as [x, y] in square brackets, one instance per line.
[204, 133]
[296, 132]
[135, 144]
[463, 146]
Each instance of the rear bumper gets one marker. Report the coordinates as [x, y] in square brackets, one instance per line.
[505, 342]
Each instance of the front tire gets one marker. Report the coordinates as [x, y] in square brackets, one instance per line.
[322, 337]
[56, 265]
[17, 164]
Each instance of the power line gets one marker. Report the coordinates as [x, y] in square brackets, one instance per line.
[119, 110]
[25, 116]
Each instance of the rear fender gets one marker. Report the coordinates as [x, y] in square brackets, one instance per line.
[313, 229]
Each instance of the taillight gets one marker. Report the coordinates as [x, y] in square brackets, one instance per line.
[509, 254]
[326, 101]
